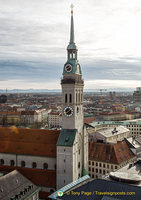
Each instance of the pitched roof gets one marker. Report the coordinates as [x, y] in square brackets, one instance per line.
[40, 177]
[9, 113]
[110, 153]
[13, 184]
[28, 141]
[89, 119]
[66, 137]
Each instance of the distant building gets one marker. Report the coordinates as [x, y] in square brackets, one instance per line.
[137, 94]
[55, 120]
[110, 135]
[37, 116]
[10, 118]
[133, 125]
[15, 186]
[119, 116]
[104, 158]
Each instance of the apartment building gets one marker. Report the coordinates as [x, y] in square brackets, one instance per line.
[104, 158]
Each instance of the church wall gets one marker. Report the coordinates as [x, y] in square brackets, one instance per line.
[28, 160]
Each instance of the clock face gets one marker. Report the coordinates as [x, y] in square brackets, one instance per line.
[68, 67]
[68, 111]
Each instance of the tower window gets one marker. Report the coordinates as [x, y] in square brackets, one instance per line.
[73, 55]
[66, 99]
[79, 98]
[79, 165]
[70, 98]
[79, 151]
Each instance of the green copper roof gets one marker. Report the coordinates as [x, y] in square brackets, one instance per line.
[72, 46]
[72, 30]
[76, 67]
[72, 43]
[66, 137]
[84, 172]
[124, 123]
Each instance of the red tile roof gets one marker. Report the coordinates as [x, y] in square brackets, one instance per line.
[35, 142]
[89, 119]
[39, 177]
[9, 113]
[28, 113]
[110, 153]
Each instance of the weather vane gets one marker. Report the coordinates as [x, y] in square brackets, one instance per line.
[72, 6]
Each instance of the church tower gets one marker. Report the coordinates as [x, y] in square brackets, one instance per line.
[72, 145]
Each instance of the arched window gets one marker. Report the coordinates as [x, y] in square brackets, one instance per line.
[1, 162]
[81, 98]
[66, 99]
[22, 163]
[76, 97]
[70, 98]
[34, 164]
[12, 162]
[45, 166]
[55, 166]
[79, 165]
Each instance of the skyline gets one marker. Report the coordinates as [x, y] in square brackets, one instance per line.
[34, 37]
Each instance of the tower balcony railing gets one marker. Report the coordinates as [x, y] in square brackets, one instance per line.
[71, 81]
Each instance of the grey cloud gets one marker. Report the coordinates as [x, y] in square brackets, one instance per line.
[117, 70]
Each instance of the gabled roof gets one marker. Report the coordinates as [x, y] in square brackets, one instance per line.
[13, 184]
[66, 137]
[40, 177]
[35, 142]
[110, 153]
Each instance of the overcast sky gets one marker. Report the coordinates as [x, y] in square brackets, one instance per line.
[34, 35]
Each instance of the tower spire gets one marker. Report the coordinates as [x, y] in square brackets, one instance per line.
[72, 26]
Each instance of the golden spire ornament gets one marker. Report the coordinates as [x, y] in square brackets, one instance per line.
[72, 6]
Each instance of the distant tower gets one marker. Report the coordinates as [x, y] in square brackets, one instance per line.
[72, 145]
